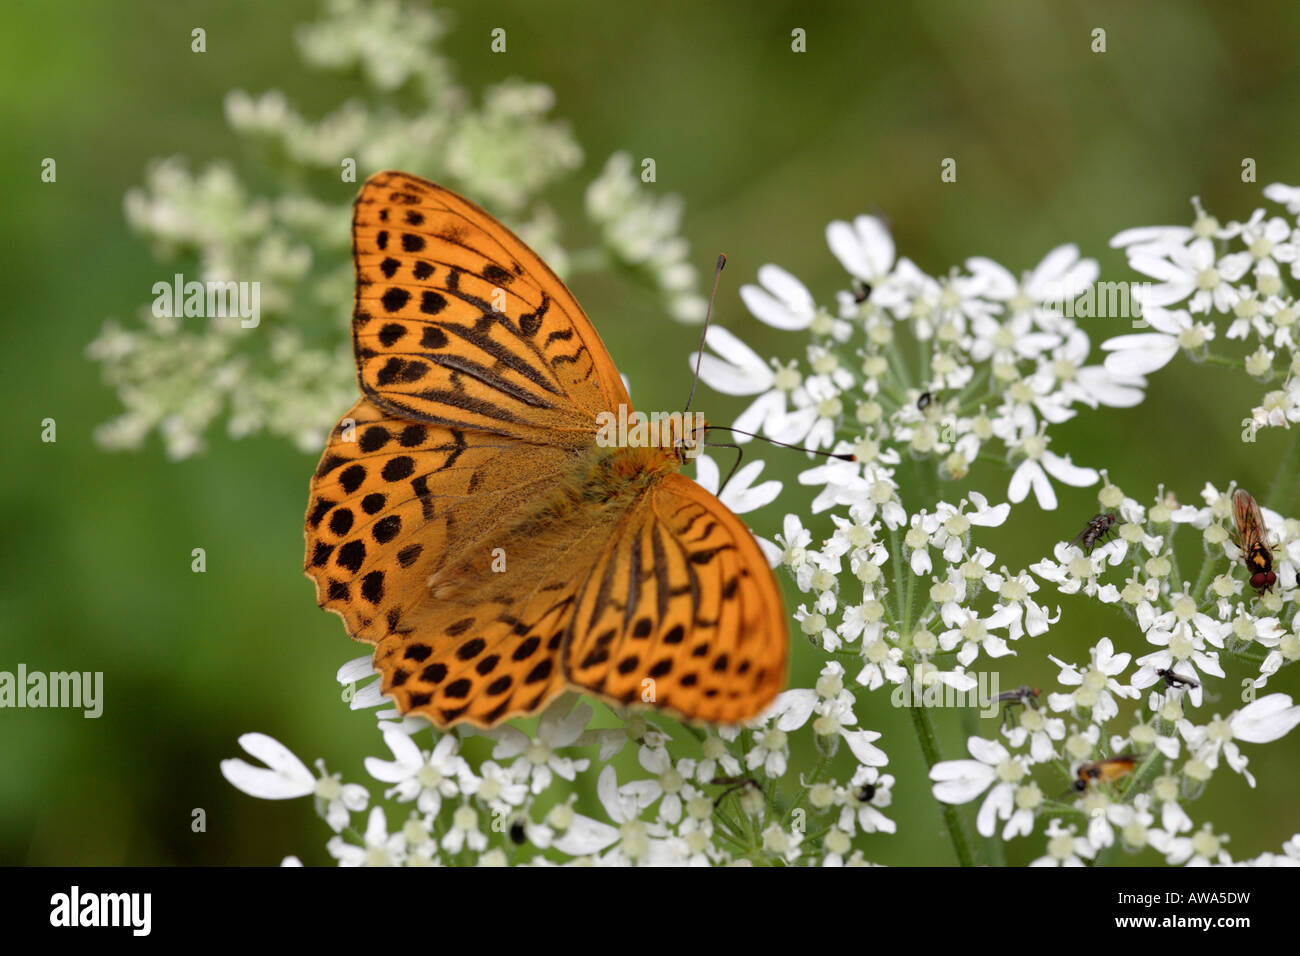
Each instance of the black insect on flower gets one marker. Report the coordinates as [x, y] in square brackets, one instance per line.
[1173, 680]
[732, 784]
[1023, 696]
[861, 291]
[1097, 528]
[924, 401]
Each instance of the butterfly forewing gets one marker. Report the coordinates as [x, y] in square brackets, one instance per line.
[457, 322]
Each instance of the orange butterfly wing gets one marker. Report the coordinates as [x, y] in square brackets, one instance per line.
[401, 529]
[461, 511]
[682, 611]
[457, 322]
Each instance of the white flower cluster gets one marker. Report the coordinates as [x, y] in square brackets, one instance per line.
[1001, 361]
[642, 232]
[517, 803]
[291, 373]
[1000, 364]
[1209, 274]
[1193, 625]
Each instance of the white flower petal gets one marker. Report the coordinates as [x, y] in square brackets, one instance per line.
[1268, 718]
[787, 288]
[772, 311]
[1062, 469]
[287, 777]
[960, 781]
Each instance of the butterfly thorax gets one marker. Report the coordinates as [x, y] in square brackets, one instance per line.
[612, 479]
[603, 478]
[597, 489]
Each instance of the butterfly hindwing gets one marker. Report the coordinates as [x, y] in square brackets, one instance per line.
[458, 322]
[408, 530]
[681, 611]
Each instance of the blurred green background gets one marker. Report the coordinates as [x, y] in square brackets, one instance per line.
[1053, 144]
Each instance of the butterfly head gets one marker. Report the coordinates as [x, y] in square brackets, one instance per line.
[684, 434]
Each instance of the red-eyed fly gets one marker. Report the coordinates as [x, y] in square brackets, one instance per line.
[1250, 539]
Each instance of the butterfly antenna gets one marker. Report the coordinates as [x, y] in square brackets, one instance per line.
[841, 456]
[740, 454]
[722, 261]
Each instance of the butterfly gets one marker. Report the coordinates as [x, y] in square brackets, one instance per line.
[465, 521]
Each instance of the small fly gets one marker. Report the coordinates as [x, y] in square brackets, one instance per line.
[1097, 528]
[1250, 539]
[861, 291]
[1104, 771]
[1023, 696]
[924, 401]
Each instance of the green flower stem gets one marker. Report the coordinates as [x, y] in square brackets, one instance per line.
[816, 835]
[889, 391]
[898, 365]
[1175, 573]
[823, 762]
[1203, 579]
[1146, 772]
[1224, 361]
[1057, 809]
[908, 604]
[925, 734]
[726, 828]
[972, 406]
[900, 586]
[993, 846]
